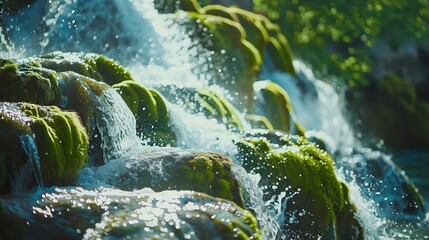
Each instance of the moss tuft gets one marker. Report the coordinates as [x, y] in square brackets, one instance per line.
[273, 102]
[150, 111]
[61, 141]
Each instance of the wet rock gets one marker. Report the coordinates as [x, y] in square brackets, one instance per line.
[164, 169]
[273, 102]
[75, 213]
[39, 145]
[384, 182]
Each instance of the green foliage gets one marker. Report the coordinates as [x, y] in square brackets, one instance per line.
[315, 198]
[335, 36]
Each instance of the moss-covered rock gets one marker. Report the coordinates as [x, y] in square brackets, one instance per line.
[165, 169]
[245, 60]
[204, 101]
[259, 122]
[239, 56]
[28, 83]
[273, 102]
[53, 142]
[113, 214]
[150, 111]
[393, 112]
[91, 65]
[301, 177]
[260, 32]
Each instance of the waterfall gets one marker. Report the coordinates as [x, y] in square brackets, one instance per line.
[316, 104]
[159, 53]
[112, 118]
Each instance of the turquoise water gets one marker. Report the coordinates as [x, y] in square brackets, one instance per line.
[415, 164]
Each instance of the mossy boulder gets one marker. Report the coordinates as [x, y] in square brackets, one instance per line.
[150, 111]
[273, 102]
[374, 172]
[165, 169]
[204, 101]
[45, 141]
[392, 110]
[97, 67]
[260, 32]
[28, 83]
[75, 213]
[301, 177]
[240, 60]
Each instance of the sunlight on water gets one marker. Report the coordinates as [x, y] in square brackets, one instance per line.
[198, 132]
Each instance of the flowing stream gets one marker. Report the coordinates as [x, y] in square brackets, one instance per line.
[157, 52]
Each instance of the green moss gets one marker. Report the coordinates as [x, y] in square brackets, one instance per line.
[279, 49]
[260, 32]
[63, 62]
[244, 57]
[59, 137]
[25, 83]
[91, 65]
[110, 71]
[316, 199]
[210, 173]
[215, 106]
[273, 102]
[61, 141]
[259, 122]
[150, 111]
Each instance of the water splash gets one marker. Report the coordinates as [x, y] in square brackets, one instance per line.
[316, 104]
[108, 114]
[198, 132]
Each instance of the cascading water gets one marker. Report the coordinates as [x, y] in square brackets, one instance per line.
[377, 195]
[159, 56]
